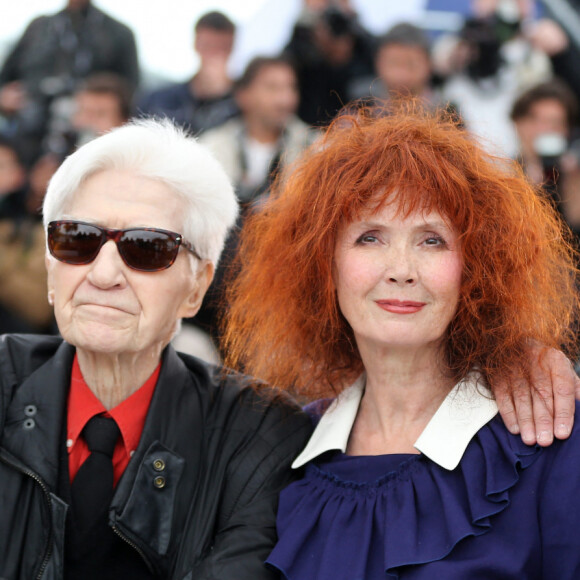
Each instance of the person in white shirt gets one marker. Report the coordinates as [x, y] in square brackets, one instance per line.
[268, 135]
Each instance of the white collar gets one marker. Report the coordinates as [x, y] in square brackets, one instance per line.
[465, 410]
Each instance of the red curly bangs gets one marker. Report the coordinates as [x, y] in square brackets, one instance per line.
[519, 284]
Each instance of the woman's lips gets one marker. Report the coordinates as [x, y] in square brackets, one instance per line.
[400, 306]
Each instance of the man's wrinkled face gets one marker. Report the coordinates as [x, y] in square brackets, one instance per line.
[106, 306]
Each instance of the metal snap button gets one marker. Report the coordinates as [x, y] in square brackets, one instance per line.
[29, 424]
[158, 465]
[30, 410]
[159, 482]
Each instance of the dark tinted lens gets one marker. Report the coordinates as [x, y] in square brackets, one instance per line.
[148, 250]
[73, 242]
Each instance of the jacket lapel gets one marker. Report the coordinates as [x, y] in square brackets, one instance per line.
[156, 490]
[35, 416]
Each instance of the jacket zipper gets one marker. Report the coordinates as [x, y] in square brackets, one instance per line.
[134, 546]
[48, 550]
[32, 475]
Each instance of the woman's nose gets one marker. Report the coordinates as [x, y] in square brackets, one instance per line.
[402, 279]
[401, 268]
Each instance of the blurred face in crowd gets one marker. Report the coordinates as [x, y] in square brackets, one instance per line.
[272, 96]
[77, 4]
[547, 116]
[40, 174]
[485, 8]
[337, 49]
[97, 112]
[403, 68]
[211, 44]
[320, 5]
[12, 174]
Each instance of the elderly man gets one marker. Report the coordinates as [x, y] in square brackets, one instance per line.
[120, 458]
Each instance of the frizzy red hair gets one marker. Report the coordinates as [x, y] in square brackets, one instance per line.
[283, 321]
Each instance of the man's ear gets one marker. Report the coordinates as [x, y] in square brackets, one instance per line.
[50, 285]
[203, 279]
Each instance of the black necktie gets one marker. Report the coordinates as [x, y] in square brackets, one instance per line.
[92, 487]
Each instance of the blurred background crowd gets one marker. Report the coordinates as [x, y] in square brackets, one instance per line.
[509, 70]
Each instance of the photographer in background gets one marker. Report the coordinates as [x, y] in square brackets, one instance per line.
[487, 66]
[100, 103]
[334, 59]
[53, 55]
[545, 117]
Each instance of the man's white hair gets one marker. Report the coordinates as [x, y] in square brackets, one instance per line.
[159, 150]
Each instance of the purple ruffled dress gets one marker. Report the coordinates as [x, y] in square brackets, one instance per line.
[508, 511]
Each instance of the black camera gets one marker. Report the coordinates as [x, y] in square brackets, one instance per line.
[338, 23]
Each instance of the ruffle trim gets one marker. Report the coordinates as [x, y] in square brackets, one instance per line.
[423, 510]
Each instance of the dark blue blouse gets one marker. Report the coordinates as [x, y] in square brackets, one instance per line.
[508, 511]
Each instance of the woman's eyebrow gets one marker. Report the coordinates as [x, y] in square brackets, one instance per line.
[364, 224]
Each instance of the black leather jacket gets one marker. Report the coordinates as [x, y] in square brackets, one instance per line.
[223, 452]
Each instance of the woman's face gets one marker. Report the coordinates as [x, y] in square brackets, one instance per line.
[398, 280]
[105, 306]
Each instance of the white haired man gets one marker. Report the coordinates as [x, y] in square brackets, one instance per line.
[120, 458]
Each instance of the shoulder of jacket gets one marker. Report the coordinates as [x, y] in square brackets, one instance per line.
[302, 134]
[40, 22]
[167, 90]
[239, 401]
[274, 424]
[22, 354]
[112, 22]
[227, 130]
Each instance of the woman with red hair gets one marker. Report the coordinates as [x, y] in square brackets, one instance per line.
[401, 274]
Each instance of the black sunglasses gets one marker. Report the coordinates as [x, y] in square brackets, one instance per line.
[143, 249]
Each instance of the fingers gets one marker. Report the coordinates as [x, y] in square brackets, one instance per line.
[516, 407]
[545, 408]
[523, 403]
[506, 407]
[543, 412]
[565, 385]
[528, 411]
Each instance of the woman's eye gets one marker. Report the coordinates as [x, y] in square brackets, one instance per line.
[367, 239]
[434, 241]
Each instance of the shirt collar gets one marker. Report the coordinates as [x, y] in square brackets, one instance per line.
[129, 415]
[82, 404]
[464, 411]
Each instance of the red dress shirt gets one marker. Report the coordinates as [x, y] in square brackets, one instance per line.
[130, 417]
